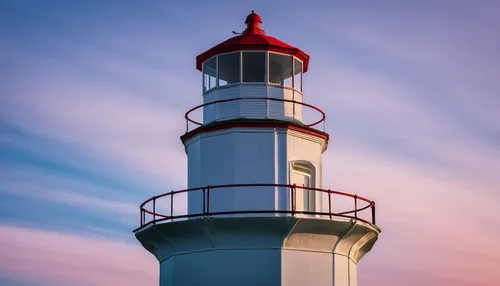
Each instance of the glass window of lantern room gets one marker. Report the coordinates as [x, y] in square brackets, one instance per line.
[297, 75]
[228, 68]
[280, 69]
[209, 74]
[254, 66]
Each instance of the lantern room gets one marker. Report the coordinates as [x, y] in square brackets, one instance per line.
[243, 72]
[252, 67]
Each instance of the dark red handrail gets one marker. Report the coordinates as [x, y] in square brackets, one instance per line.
[156, 216]
[323, 115]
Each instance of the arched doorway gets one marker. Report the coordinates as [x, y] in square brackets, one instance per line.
[302, 173]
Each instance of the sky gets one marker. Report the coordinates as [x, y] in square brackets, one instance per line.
[92, 99]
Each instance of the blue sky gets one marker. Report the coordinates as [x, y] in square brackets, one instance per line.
[93, 94]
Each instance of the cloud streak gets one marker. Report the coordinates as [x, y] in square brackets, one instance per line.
[67, 259]
[435, 231]
[92, 107]
[121, 128]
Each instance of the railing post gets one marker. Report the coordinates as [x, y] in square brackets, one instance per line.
[154, 208]
[208, 199]
[187, 126]
[140, 216]
[373, 212]
[204, 201]
[143, 216]
[294, 189]
[356, 206]
[171, 204]
[330, 203]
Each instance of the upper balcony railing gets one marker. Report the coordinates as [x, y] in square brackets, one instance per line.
[259, 108]
[161, 208]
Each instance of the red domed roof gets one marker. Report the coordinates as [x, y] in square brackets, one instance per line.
[253, 17]
[253, 38]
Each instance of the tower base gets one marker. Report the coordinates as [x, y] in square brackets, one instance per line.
[258, 250]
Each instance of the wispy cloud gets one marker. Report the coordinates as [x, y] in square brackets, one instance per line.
[58, 258]
[430, 223]
[68, 196]
[449, 57]
[122, 128]
[92, 103]
[384, 116]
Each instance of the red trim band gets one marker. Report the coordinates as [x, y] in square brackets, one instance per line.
[229, 125]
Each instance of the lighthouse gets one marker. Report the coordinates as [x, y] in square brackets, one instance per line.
[257, 212]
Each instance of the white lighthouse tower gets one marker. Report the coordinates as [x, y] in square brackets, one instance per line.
[257, 211]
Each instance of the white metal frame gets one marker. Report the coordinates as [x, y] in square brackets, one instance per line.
[216, 75]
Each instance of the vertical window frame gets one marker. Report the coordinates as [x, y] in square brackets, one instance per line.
[203, 75]
[301, 75]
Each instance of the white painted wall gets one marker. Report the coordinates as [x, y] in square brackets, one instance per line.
[353, 273]
[341, 269]
[248, 156]
[248, 108]
[223, 268]
[299, 268]
[268, 267]
[280, 251]
[305, 147]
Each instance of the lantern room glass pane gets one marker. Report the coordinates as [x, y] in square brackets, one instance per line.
[209, 74]
[229, 68]
[254, 66]
[280, 69]
[298, 75]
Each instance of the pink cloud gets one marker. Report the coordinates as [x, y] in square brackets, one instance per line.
[43, 256]
[435, 230]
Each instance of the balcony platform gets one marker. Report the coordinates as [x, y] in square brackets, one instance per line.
[289, 250]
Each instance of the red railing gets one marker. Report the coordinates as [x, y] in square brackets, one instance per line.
[291, 209]
[323, 115]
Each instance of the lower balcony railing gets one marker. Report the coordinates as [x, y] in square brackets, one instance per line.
[334, 204]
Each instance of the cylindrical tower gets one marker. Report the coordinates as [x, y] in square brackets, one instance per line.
[257, 213]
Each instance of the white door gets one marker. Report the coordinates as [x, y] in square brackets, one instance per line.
[304, 199]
